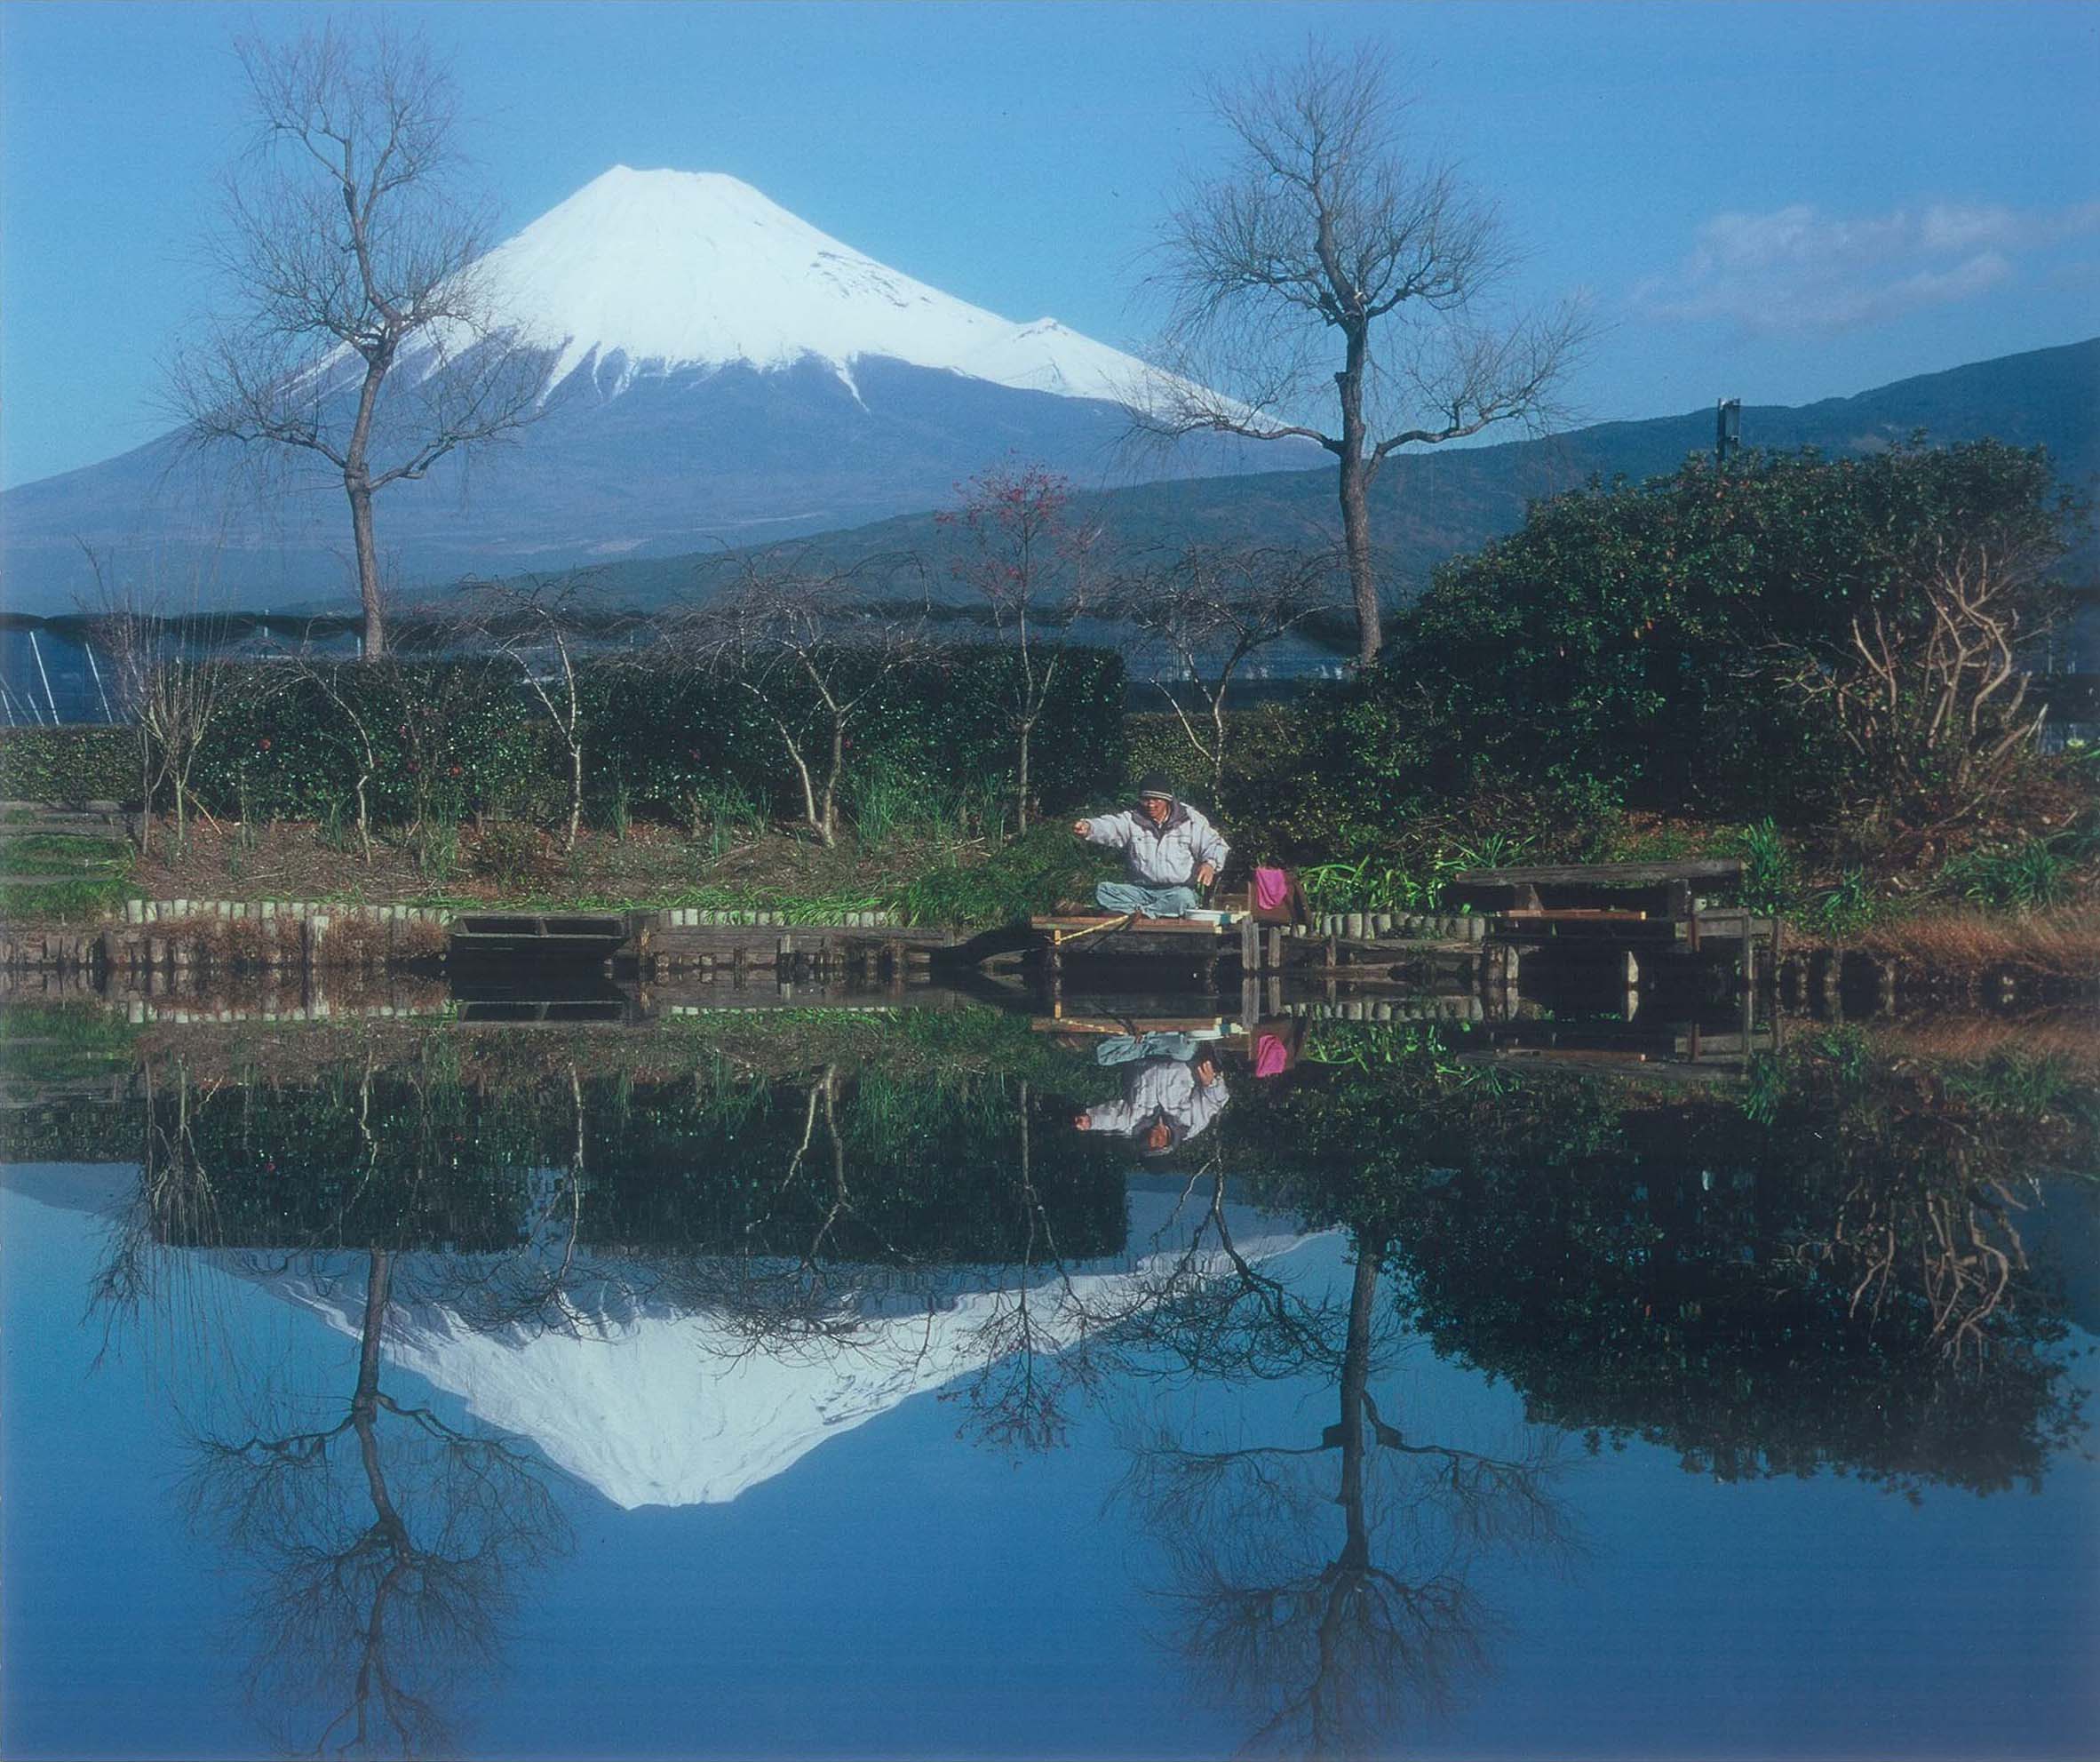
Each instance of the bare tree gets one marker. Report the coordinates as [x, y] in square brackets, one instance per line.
[813, 645]
[345, 250]
[1324, 232]
[162, 680]
[1033, 564]
[1210, 610]
[535, 623]
[358, 733]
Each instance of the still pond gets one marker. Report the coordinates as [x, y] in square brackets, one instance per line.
[940, 1382]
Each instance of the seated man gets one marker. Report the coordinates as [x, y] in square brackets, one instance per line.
[1167, 1100]
[1171, 848]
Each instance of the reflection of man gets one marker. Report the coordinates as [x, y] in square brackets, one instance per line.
[1171, 1091]
[1171, 848]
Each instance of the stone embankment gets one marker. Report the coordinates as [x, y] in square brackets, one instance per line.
[1398, 926]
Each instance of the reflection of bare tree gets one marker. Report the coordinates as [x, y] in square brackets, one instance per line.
[1952, 1242]
[174, 1190]
[545, 1284]
[383, 1539]
[1331, 1632]
[385, 1547]
[1025, 1373]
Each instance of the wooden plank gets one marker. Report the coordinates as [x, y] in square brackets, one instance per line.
[1149, 926]
[1137, 1025]
[1605, 874]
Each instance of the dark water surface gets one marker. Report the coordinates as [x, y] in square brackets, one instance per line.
[818, 1386]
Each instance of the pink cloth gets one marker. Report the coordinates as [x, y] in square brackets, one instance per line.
[1272, 887]
[1272, 1058]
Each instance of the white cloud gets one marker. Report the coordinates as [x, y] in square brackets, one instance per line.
[1799, 269]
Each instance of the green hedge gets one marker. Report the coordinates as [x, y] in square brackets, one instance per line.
[456, 737]
[665, 740]
[69, 765]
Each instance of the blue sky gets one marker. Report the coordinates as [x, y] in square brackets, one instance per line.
[1774, 201]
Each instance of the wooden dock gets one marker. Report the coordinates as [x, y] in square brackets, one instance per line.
[1213, 954]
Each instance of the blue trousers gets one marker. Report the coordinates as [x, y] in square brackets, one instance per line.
[1147, 902]
[1135, 1049]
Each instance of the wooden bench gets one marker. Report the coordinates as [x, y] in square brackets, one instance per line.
[1668, 890]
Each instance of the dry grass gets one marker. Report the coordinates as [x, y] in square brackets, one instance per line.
[2064, 943]
[257, 942]
[2063, 1036]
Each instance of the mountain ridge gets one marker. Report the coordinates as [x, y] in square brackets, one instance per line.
[1429, 505]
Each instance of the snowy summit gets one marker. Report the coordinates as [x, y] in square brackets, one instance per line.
[655, 272]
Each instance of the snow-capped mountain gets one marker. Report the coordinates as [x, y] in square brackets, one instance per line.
[721, 371]
[652, 272]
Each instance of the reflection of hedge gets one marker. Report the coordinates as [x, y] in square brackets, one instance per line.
[461, 737]
[74, 1129]
[67, 765]
[397, 1165]
[1651, 1268]
[922, 1173]
[925, 1168]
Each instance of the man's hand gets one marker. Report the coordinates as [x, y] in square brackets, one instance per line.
[1205, 1072]
[1080, 828]
[1082, 1121]
[1206, 874]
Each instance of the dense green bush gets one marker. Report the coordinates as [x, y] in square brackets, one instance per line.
[1629, 643]
[65, 765]
[456, 737]
[447, 737]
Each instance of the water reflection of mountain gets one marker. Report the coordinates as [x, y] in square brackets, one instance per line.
[676, 1282]
[654, 1403]
[1835, 1263]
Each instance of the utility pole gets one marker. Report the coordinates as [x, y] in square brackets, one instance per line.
[1727, 429]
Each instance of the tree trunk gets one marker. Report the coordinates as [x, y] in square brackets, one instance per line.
[368, 569]
[1028, 730]
[831, 825]
[1355, 1382]
[145, 794]
[379, 1289]
[576, 795]
[1355, 489]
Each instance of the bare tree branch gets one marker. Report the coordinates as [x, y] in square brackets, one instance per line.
[358, 328]
[1324, 230]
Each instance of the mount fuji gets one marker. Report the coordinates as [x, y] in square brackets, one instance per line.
[719, 372]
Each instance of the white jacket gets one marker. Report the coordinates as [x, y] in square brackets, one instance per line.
[1167, 856]
[1161, 1088]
